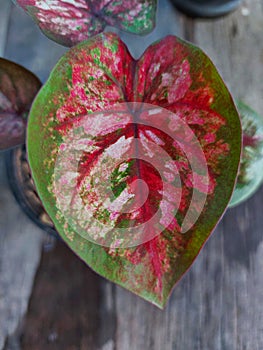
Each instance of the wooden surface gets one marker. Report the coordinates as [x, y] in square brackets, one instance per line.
[20, 241]
[218, 305]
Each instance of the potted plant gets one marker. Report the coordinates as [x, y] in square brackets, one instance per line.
[206, 8]
[113, 142]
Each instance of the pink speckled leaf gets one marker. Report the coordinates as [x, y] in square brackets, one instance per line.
[70, 22]
[115, 146]
[18, 88]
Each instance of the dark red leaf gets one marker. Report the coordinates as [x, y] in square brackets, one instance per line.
[18, 88]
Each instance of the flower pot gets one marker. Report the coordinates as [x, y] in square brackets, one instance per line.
[206, 8]
[250, 175]
[23, 188]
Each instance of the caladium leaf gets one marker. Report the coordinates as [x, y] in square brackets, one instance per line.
[115, 142]
[70, 22]
[18, 88]
[250, 174]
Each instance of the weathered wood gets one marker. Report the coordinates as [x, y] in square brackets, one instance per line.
[66, 297]
[29, 47]
[5, 8]
[20, 248]
[235, 44]
[20, 240]
[218, 304]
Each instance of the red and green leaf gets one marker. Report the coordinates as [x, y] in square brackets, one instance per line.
[250, 175]
[101, 76]
[18, 88]
[70, 22]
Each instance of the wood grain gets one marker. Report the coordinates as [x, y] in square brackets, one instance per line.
[27, 46]
[20, 250]
[235, 44]
[66, 297]
[218, 304]
[5, 8]
[20, 240]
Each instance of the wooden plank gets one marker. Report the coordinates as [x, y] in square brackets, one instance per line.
[235, 45]
[20, 249]
[29, 47]
[20, 239]
[71, 307]
[218, 304]
[63, 311]
[5, 8]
